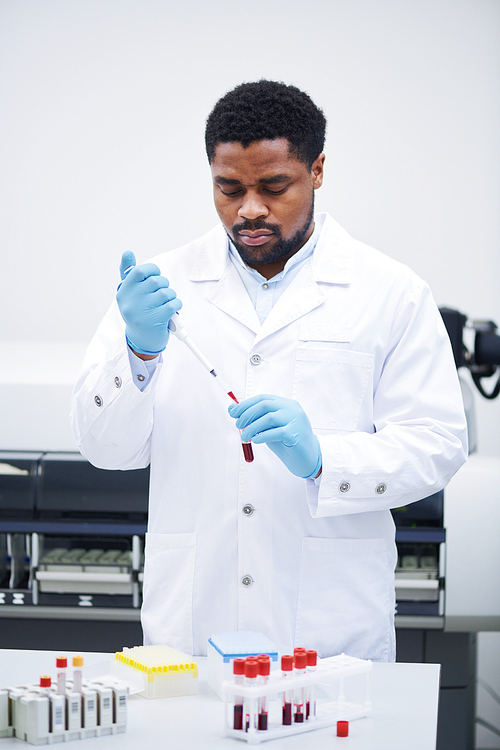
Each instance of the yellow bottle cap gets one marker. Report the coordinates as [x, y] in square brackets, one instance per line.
[78, 661]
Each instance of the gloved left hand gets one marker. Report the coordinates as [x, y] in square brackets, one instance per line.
[283, 424]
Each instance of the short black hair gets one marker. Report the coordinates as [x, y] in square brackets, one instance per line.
[267, 110]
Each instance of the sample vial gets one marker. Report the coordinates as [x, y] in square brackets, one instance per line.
[251, 672]
[312, 658]
[264, 663]
[45, 683]
[62, 670]
[77, 673]
[300, 664]
[286, 669]
[239, 678]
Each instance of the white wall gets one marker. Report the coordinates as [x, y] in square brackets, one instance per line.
[102, 110]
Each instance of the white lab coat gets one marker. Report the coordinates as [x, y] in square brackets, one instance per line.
[358, 341]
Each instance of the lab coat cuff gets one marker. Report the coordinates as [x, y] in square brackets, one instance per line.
[142, 370]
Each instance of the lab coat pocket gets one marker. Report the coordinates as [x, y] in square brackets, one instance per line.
[330, 385]
[344, 603]
[168, 590]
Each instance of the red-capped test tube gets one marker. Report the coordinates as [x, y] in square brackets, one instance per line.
[300, 664]
[45, 683]
[312, 658]
[264, 663]
[239, 678]
[286, 670]
[245, 444]
[251, 672]
[62, 669]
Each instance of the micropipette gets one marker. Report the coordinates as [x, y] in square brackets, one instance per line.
[177, 326]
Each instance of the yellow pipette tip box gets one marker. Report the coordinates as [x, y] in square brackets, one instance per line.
[167, 672]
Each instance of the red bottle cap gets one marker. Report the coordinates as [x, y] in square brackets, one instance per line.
[301, 660]
[251, 667]
[287, 663]
[342, 728]
[239, 666]
[45, 681]
[298, 649]
[61, 662]
[264, 665]
[312, 658]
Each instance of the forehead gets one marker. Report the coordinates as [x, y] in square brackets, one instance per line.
[261, 159]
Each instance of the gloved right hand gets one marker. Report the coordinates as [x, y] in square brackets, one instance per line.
[146, 304]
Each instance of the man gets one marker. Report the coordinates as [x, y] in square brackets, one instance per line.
[347, 390]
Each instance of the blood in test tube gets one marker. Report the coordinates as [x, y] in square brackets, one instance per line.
[300, 664]
[264, 663]
[286, 668]
[247, 451]
[245, 444]
[239, 677]
[312, 658]
[61, 666]
[251, 672]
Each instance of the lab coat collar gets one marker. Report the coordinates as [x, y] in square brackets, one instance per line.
[330, 260]
[330, 264]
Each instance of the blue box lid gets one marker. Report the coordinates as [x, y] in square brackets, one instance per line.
[243, 643]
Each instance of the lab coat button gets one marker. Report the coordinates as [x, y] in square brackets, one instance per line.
[118, 382]
[381, 488]
[247, 580]
[344, 486]
[98, 400]
[248, 509]
[255, 359]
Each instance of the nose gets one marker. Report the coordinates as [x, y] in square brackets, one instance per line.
[252, 206]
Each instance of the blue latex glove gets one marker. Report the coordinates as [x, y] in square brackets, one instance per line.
[283, 424]
[146, 303]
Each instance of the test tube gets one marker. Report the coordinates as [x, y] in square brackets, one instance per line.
[77, 673]
[245, 444]
[300, 665]
[62, 668]
[286, 669]
[312, 658]
[264, 663]
[45, 683]
[251, 671]
[239, 677]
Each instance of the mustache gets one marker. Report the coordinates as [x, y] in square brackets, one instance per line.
[252, 226]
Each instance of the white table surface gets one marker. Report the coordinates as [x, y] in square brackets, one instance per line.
[404, 698]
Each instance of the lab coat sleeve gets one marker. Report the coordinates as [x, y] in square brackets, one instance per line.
[420, 437]
[111, 417]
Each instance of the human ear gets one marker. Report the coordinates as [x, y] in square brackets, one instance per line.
[317, 171]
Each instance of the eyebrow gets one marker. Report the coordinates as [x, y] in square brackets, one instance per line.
[265, 180]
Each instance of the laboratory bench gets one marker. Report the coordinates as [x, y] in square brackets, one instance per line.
[404, 715]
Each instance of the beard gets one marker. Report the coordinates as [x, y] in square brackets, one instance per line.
[281, 249]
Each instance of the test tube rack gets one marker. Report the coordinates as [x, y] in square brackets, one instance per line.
[43, 717]
[334, 669]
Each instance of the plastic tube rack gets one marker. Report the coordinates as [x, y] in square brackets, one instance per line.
[334, 669]
[42, 717]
